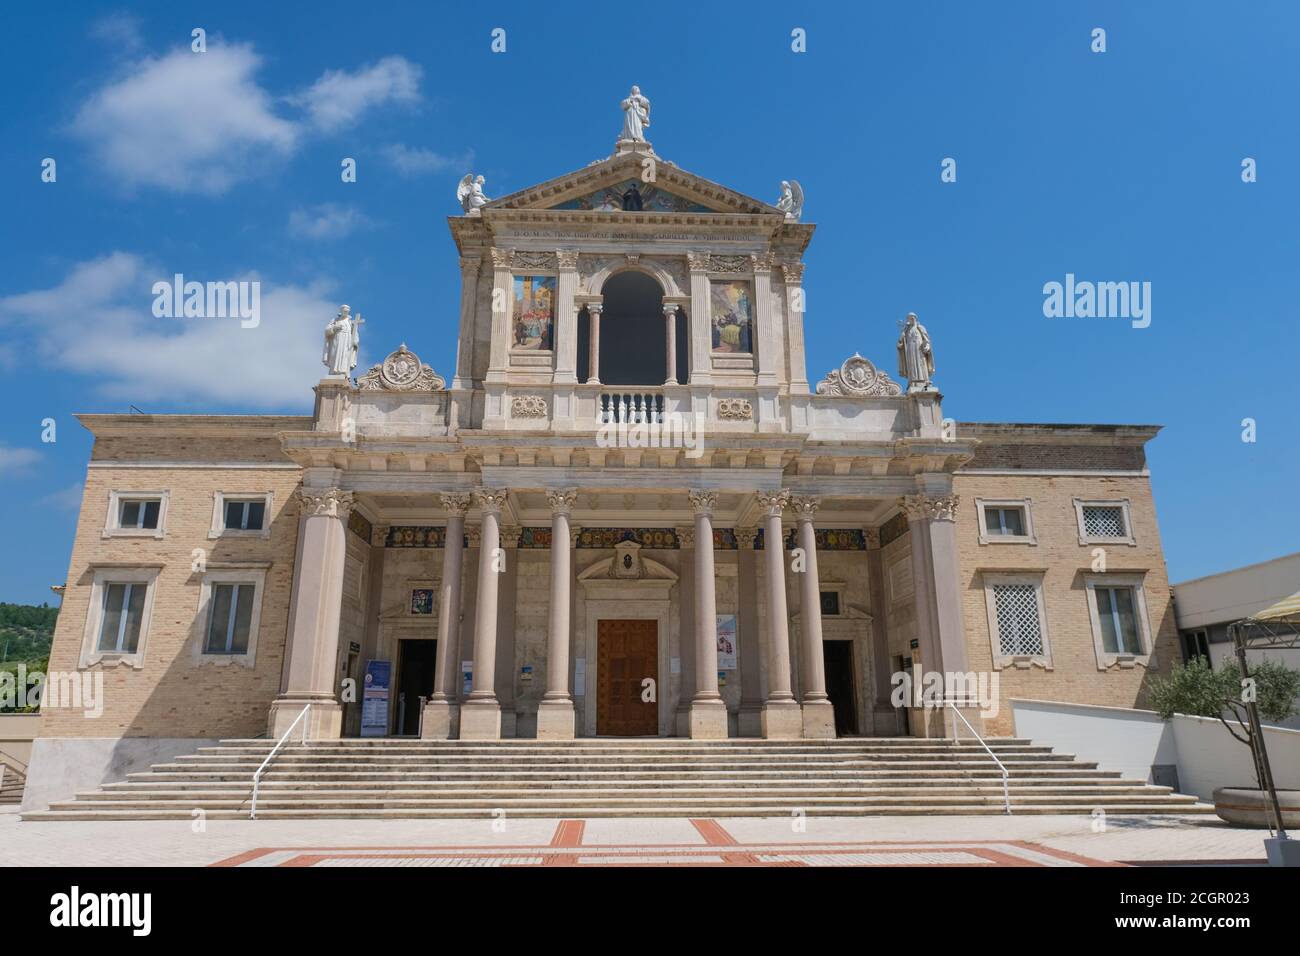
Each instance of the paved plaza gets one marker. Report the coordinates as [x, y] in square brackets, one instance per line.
[489, 841]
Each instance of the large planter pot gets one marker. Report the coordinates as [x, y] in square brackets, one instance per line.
[1249, 807]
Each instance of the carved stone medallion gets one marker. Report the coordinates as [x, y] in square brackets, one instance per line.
[402, 371]
[858, 377]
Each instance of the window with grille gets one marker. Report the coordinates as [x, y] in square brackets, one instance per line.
[1104, 521]
[1020, 630]
[229, 618]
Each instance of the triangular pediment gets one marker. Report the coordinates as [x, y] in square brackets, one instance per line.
[600, 187]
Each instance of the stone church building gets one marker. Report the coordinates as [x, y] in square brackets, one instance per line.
[628, 511]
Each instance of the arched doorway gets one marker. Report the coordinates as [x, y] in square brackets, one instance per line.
[631, 331]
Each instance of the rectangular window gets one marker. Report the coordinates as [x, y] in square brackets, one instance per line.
[139, 513]
[1196, 644]
[245, 515]
[1115, 613]
[119, 629]
[1020, 630]
[229, 619]
[1104, 521]
[1005, 521]
[831, 603]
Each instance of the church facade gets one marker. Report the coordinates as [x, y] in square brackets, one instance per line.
[629, 511]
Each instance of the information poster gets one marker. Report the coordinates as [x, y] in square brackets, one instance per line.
[726, 642]
[374, 698]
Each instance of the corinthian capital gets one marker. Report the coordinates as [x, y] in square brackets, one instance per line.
[805, 506]
[745, 538]
[456, 504]
[328, 502]
[773, 502]
[562, 500]
[703, 502]
[491, 500]
[931, 507]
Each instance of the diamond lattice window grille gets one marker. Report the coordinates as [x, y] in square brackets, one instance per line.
[1019, 629]
[1104, 521]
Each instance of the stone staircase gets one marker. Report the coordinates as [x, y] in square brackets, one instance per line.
[12, 783]
[606, 777]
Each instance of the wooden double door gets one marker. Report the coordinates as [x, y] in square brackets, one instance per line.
[627, 652]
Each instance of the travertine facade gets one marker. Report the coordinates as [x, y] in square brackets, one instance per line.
[503, 519]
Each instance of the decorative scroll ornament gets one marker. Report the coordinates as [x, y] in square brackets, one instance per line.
[401, 372]
[528, 406]
[735, 410]
[731, 264]
[533, 260]
[859, 378]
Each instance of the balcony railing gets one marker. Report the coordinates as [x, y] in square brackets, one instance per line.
[638, 406]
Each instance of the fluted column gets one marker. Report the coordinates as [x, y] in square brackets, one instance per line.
[480, 715]
[781, 717]
[555, 717]
[818, 714]
[708, 712]
[670, 327]
[442, 709]
[593, 341]
[314, 617]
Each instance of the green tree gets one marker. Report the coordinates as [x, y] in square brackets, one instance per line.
[1198, 690]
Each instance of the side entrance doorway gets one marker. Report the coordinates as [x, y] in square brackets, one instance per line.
[414, 680]
[627, 652]
[838, 659]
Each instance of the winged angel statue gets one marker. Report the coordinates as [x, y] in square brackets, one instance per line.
[791, 201]
[469, 193]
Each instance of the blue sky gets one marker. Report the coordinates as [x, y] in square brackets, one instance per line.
[1115, 166]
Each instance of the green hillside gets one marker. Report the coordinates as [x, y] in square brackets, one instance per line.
[25, 635]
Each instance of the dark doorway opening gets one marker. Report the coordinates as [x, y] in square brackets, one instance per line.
[415, 680]
[838, 658]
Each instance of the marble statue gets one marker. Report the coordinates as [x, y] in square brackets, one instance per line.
[342, 341]
[469, 193]
[791, 201]
[915, 355]
[636, 116]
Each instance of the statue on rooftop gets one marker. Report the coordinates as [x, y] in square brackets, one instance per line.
[469, 193]
[915, 355]
[791, 201]
[636, 116]
[342, 341]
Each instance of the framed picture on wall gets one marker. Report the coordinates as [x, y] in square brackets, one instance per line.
[421, 601]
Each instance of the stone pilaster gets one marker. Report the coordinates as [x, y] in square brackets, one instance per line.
[442, 710]
[314, 617]
[480, 715]
[469, 270]
[506, 595]
[566, 317]
[708, 719]
[555, 714]
[781, 716]
[792, 271]
[818, 714]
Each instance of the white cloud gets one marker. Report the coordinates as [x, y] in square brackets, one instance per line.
[14, 461]
[338, 98]
[416, 161]
[186, 121]
[98, 321]
[326, 221]
[65, 499]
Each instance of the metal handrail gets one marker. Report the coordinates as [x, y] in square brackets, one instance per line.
[1006, 793]
[257, 776]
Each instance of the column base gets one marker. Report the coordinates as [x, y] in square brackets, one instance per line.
[438, 720]
[324, 721]
[749, 721]
[555, 720]
[782, 720]
[708, 720]
[480, 720]
[819, 720]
